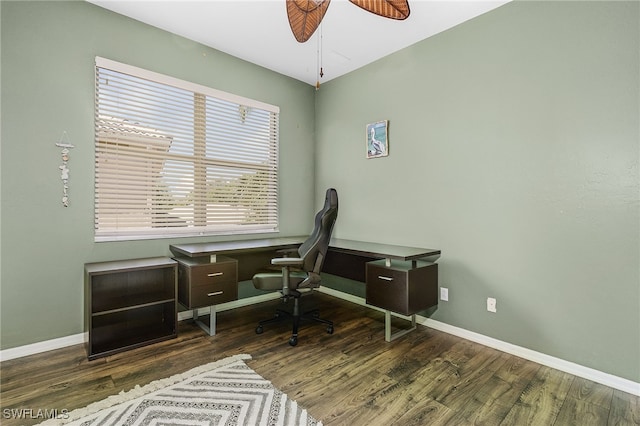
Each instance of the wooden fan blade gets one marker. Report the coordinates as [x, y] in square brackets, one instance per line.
[394, 9]
[305, 17]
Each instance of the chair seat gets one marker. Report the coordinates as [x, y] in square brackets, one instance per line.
[272, 281]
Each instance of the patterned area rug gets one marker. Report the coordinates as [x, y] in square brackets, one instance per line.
[225, 392]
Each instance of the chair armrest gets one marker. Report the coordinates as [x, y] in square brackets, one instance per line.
[287, 261]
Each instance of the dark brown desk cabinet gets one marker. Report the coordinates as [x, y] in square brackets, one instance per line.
[203, 283]
[130, 303]
[403, 288]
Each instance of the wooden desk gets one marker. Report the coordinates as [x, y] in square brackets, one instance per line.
[399, 279]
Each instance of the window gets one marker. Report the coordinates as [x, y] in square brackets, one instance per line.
[175, 158]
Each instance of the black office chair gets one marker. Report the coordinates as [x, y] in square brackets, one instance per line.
[302, 272]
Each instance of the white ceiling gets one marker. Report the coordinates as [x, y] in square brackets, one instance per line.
[258, 31]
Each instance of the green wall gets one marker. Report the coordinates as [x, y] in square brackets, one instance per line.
[514, 148]
[48, 51]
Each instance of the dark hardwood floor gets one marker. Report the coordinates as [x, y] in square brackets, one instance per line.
[352, 377]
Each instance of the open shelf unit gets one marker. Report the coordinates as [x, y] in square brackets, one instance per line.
[130, 303]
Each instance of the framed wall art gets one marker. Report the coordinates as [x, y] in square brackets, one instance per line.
[378, 139]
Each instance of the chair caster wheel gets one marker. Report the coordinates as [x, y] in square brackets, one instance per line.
[330, 329]
[293, 341]
[259, 329]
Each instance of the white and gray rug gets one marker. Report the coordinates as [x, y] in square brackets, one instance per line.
[225, 392]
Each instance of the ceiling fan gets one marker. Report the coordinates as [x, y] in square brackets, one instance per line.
[305, 15]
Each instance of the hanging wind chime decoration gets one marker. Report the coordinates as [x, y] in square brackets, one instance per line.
[305, 16]
[64, 168]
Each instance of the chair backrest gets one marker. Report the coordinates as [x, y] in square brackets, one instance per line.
[314, 249]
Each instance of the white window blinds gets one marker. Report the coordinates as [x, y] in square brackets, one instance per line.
[175, 158]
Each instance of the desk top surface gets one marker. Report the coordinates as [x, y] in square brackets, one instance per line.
[383, 251]
[358, 248]
[220, 247]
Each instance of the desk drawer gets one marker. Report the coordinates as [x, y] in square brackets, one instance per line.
[387, 288]
[197, 278]
[212, 273]
[402, 288]
[214, 294]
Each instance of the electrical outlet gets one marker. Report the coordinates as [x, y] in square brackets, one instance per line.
[491, 304]
[444, 294]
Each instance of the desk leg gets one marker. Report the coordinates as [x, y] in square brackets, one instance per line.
[211, 328]
[388, 336]
[212, 320]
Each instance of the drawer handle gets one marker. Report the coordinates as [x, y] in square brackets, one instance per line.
[215, 274]
[385, 278]
[215, 293]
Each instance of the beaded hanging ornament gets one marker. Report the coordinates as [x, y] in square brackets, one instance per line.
[64, 167]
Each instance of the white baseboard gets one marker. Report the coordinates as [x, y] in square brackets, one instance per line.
[47, 345]
[597, 376]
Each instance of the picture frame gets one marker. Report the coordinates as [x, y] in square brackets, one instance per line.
[377, 138]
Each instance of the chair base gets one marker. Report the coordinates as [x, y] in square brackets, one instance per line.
[281, 315]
